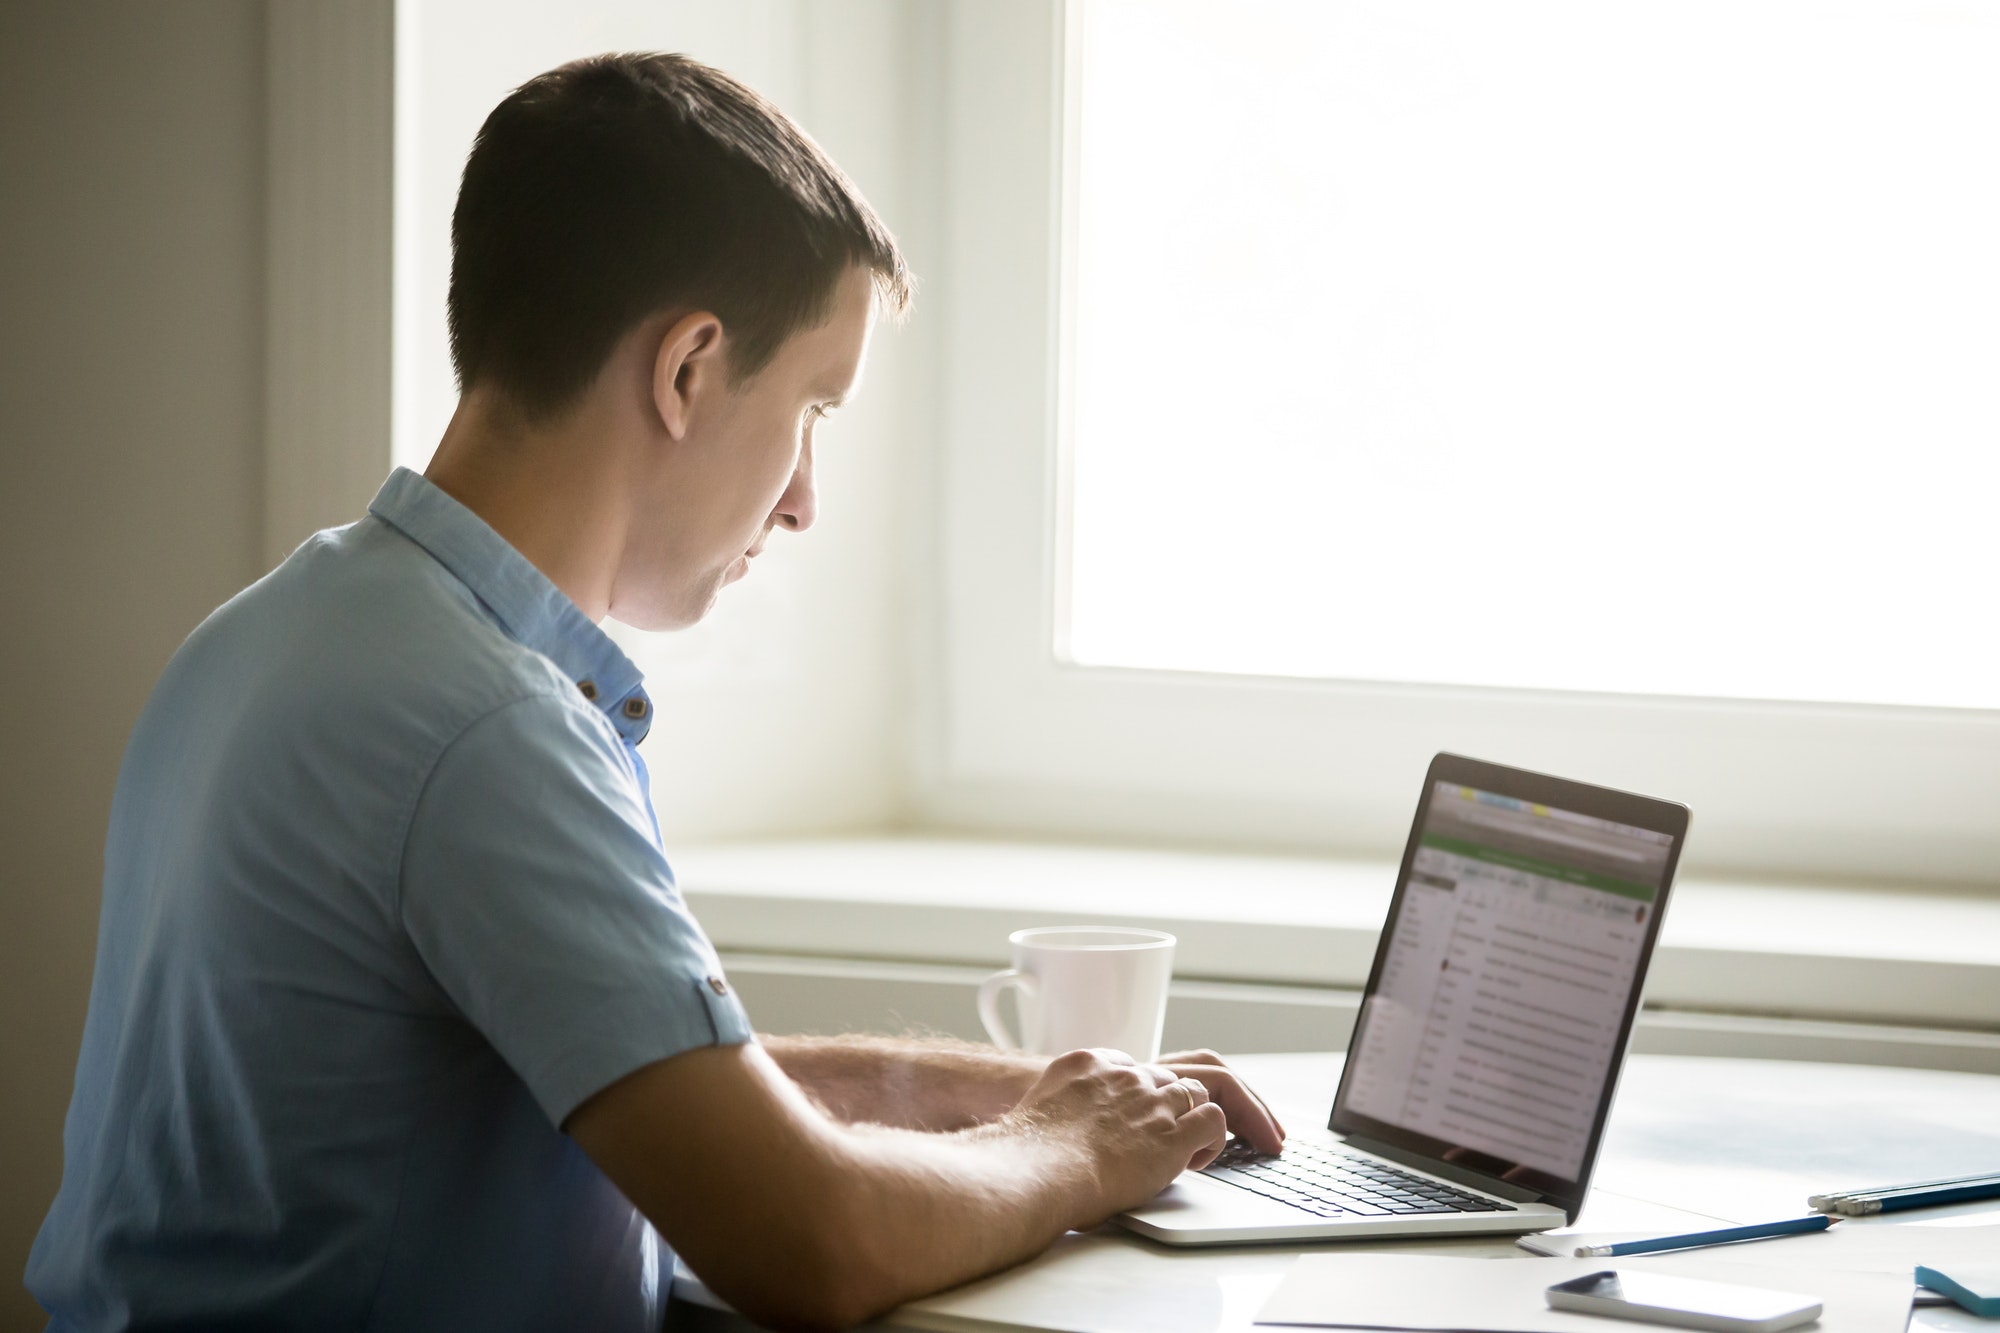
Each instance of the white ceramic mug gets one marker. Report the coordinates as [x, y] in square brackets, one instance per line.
[1094, 986]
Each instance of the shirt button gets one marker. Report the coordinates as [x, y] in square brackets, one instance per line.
[588, 689]
[718, 985]
[635, 707]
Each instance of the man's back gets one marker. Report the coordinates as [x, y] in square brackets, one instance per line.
[282, 1107]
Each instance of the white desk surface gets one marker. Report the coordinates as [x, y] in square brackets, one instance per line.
[1693, 1142]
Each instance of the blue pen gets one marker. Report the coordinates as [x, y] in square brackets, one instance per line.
[1922, 1198]
[1922, 1194]
[1790, 1227]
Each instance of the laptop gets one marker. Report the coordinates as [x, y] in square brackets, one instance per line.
[1491, 1033]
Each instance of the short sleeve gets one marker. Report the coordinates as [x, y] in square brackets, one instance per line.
[534, 890]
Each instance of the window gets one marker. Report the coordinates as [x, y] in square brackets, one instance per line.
[1594, 388]
[1639, 347]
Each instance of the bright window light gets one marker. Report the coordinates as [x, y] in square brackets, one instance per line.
[1557, 344]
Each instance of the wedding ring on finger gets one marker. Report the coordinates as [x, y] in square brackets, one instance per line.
[1181, 1085]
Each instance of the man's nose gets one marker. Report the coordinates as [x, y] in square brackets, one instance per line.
[798, 507]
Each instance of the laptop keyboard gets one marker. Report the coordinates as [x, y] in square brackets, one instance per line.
[1329, 1183]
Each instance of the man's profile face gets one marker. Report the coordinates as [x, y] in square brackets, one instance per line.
[743, 469]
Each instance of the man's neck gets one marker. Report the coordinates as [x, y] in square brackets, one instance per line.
[546, 489]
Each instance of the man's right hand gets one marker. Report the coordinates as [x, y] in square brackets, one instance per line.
[1132, 1128]
[801, 1222]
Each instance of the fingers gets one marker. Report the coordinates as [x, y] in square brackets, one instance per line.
[1204, 1132]
[1247, 1114]
[1183, 1095]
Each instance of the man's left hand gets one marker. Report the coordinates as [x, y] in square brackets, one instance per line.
[1250, 1118]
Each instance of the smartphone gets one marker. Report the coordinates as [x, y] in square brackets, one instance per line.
[1688, 1302]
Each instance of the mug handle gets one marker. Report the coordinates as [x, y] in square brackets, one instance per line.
[989, 1004]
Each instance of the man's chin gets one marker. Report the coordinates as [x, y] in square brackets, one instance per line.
[693, 604]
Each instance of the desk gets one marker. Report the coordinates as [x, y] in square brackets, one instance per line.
[1693, 1142]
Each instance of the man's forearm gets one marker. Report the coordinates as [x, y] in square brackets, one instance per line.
[944, 1208]
[918, 1212]
[909, 1083]
[801, 1222]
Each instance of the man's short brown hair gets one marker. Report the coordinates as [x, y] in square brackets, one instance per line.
[612, 188]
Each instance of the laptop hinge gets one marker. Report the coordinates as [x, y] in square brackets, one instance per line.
[1477, 1180]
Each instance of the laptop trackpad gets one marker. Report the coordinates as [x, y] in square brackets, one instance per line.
[1195, 1200]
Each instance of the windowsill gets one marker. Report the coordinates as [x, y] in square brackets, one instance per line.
[1867, 953]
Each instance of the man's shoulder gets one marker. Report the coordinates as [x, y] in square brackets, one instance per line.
[362, 626]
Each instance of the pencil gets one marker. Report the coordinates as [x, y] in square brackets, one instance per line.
[1791, 1226]
[1920, 1198]
[1829, 1201]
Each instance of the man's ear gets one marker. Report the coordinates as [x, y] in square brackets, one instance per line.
[688, 370]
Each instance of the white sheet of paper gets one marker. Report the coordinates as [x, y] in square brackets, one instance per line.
[1392, 1291]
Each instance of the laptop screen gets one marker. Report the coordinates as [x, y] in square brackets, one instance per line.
[1500, 1002]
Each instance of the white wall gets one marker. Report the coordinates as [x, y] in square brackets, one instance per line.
[131, 382]
[785, 711]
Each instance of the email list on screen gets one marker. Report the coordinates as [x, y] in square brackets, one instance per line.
[1504, 987]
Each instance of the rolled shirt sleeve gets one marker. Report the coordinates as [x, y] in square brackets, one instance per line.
[535, 892]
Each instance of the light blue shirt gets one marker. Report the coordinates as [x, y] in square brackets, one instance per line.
[384, 902]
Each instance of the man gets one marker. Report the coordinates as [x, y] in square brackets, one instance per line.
[397, 1012]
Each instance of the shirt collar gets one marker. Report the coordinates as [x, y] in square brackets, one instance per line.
[532, 610]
